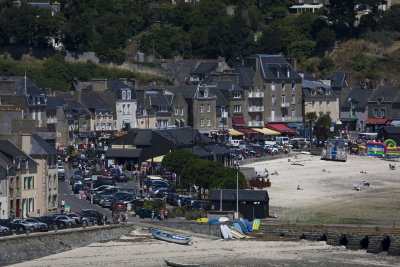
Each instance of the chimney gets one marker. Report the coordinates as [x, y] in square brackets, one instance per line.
[99, 85]
[17, 3]
[350, 79]
[56, 6]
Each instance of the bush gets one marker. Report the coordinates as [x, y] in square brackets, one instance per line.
[194, 215]
[155, 204]
[179, 210]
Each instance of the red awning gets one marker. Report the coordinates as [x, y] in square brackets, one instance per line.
[238, 122]
[376, 121]
[279, 127]
[247, 131]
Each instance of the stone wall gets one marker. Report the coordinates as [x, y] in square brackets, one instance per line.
[21, 248]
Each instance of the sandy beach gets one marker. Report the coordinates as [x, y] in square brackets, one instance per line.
[139, 249]
[327, 194]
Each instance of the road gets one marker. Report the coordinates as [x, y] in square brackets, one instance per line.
[76, 204]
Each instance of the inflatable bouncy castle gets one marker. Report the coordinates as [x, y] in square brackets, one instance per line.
[386, 149]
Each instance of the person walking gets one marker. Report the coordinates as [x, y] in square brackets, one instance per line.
[162, 214]
[126, 217]
[152, 214]
[63, 204]
[166, 214]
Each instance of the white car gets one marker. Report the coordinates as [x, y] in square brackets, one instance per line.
[4, 229]
[61, 169]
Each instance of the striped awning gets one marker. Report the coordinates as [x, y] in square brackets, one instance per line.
[266, 131]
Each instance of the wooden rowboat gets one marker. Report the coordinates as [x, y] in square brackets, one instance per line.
[177, 264]
[170, 238]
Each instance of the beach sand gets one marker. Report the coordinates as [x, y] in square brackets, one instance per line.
[140, 249]
[327, 194]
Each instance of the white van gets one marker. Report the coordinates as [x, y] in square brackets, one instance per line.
[283, 140]
[261, 172]
[154, 178]
[234, 142]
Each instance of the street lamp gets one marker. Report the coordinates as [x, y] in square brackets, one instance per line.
[237, 190]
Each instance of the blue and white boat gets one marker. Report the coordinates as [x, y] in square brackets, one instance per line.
[170, 238]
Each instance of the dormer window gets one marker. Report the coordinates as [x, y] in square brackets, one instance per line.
[206, 93]
[313, 92]
[328, 92]
[288, 72]
[128, 94]
[236, 94]
[124, 94]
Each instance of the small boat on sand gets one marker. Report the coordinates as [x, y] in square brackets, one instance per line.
[177, 264]
[170, 238]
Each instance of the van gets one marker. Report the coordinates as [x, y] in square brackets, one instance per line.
[234, 142]
[261, 172]
[154, 178]
[282, 140]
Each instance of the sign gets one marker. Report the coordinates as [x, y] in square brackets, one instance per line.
[67, 209]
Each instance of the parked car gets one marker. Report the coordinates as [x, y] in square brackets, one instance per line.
[4, 229]
[146, 213]
[78, 187]
[13, 225]
[49, 220]
[121, 178]
[39, 226]
[198, 205]
[92, 215]
[63, 221]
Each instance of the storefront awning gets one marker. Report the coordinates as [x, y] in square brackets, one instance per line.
[238, 122]
[266, 131]
[247, 131]
[156, 159]
[376, 121]
[279, 127]
[234, 133]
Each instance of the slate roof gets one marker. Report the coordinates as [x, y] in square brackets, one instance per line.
[221, 100]
[156, 99]
[181, 69]
[244, 195]
[40, 147]
[205, 67]
[117, 86]
[42, 5]
[271, 65]
[143, 137]
[54, 102]
[390, 129]
[188, 91]
[320, 94]
[338, 79]
[92, 100]
[184, 136]
[385, 94]
[360, 97]
[246, 75]
[169, 96]
[9, 149]
[123, 153]
[31, 88]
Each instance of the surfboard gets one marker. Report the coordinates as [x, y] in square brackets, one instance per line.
[256, 224]
[243, 226]
[237, 227]
[236, 233]
[224, 233]
[228, 230]
[202, 220]
[248, 225]
[223, 219]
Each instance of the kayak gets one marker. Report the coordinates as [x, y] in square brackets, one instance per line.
[169, 238]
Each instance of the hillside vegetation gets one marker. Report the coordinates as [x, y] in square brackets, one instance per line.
[117, 29]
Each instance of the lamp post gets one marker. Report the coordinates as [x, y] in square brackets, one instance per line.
[237, 191]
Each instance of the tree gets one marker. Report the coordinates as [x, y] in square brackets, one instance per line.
[301, 49]
[175, 161]
[326, 65]
[342, 13]
[322, 127]
[310, 118]
[324, 40]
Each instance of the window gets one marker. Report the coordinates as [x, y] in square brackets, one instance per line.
[313, 103]
[273, 99]
[283, 86]
[376, 112]
[201, 108]
[293, 112]
[123, 109]
[283, 99]
[109, 126]
[97, 126]
[236, 94]
[313, 92]
[128, 94]
[181, 111]
[327, 102]
[176, 111]
[257, 88]
[84, 125]
[293, 86]
[208, 122]
[328, 92]
[128, 109]
[103, 126]
[382, 112]
[293, 99]
[320, 103]
[208, 108]
[206, 93]
[202, 123]
[33, 114]
[273, 86]
[237, 108]
[353, 113]
[124, 94]
[25, 179]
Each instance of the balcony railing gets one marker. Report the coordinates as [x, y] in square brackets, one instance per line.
[285, 105]
[256, 108]
[284, 119]
[256, 123]
[256, 94]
